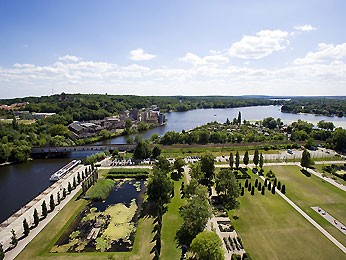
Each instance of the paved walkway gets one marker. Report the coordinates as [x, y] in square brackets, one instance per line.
[17, 224]
[308, 218]
[336, 223]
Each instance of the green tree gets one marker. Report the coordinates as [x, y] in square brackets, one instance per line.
[69, 187]
[196, 172]
[256, 157]
[237, 160]
[261, 161]
[178, 164]
[339, 139]
[128, 124]
[273, 189]
[305, 161]
[142, 150]
[156, 152]
[36, 218]
[246, 158]
[231, 160]
[26, 228]
[14, 240]
[208, 167]
[51, 203]
[253, 190]
[195, 216]
[262, 192]
[44, 209]
[283, 189]
[159, 187]
[207, 245]
[2, 253]
[227, 188]
[63, 193]
[239, 118]
[163, 164]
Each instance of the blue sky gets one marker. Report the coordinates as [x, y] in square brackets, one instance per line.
[193, 47]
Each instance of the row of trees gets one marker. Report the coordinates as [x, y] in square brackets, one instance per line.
[235, 161]
[52, 204]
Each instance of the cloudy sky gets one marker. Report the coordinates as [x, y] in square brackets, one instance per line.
[173, 47]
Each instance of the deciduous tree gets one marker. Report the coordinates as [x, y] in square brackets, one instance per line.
[207, 245]
[227, 188]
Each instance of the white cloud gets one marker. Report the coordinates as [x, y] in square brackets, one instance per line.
[212, 60]
[260, 45]
[140, 55]
[324, 53]
[305, 28]
[68, 58]
[100, 77]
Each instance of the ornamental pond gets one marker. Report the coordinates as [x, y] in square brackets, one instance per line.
[106, 226]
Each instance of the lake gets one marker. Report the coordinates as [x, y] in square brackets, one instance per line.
[19, 183]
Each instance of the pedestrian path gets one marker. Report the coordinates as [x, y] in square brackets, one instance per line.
[17, 223]
[336, 223]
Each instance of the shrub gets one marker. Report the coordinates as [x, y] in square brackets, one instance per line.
[269, 186]
[253, 191]
[283, 189]
[273, 189]
[262, 192]
[259, 187]
[279, 185]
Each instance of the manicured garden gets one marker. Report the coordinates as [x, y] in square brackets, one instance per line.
[271, 229]
[311, 191]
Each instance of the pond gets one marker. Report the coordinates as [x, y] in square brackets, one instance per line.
[106, 226]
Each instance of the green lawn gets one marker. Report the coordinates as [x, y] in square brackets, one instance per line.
[170, 224]
[40, 246]
[313, 191]
[271, 229]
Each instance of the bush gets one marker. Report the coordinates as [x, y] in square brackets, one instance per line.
[100, 190]
[283, 189]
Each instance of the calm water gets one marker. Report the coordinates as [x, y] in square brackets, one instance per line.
[20, 183]
[178, 121]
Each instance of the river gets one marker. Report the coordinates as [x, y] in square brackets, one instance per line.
[178, 121]
[20, 183]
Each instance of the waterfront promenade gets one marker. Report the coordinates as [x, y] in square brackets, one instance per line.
[15, 221]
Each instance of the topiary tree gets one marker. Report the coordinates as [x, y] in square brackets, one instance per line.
[44, 209]
[14, 240]
[231, 160]
[275, 181]
[253, 190]
[269, 185]
[69, 187]
[256, 157]
[51, 203]
[283, 189]
[63, 193]
[237, 160]
[36, 218]
[256, 183]
[246, 183]
[26, 227]
[265, 182]
[279, 185]
[74, 185]
[2, 253]
[58, 198]
[273, 189]
[249, 187]
[259, 186]
[262, 192]
[246, 158]
[261, 161]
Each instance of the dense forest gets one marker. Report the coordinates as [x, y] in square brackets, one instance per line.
[81, 107]
[318, 106]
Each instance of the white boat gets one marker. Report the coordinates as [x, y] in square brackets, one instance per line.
[64, 170]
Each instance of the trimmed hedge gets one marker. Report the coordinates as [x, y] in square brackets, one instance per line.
[137, 176]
